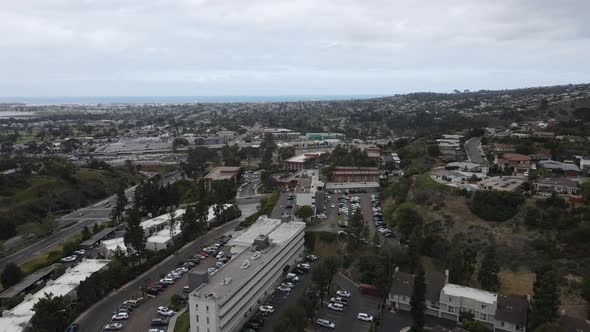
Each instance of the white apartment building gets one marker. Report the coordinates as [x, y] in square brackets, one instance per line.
[225, 300]
[456, 298]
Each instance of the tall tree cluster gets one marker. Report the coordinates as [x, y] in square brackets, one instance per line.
[460, 262]
[546, 301]
[488, 272]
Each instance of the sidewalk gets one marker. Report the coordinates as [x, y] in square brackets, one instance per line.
[172, 322]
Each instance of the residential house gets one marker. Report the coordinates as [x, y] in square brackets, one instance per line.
[562, 186]
[511, 313]
[569, 169]
[514, 162]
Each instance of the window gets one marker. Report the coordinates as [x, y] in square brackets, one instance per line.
[207, 321]
[207, 308]
[197, 318]
[451, 309]
[434, 305]
[502, 324]
[450, 299]
[483, 307]
[483, 316]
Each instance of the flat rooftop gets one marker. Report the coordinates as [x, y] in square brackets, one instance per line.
[159, 220]
[223, 173]
[164, 235]
[64, 285]
[471, 293]
[27, 282]
[263, 225]
[97, 237]
[112, 244]
[245, 265]
[303, 157]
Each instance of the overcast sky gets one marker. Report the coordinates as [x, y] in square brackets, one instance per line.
[291, 47]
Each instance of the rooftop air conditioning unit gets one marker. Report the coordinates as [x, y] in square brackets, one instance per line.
[256, 255]
[245, 264]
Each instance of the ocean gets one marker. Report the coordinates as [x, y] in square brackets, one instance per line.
[174, 99]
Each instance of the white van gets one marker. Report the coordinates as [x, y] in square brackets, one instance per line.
[292, 277]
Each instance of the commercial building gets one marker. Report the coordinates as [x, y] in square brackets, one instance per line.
[309, 189]
[445, 300]
[303, 161]
[18, 318]
[109, 247]
[225, 300]
[154, 225]
[323, 136]
[355, 174]
[221, 173]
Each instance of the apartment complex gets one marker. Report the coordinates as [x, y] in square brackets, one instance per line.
[225, 300]
[221, 173]
[445, 300]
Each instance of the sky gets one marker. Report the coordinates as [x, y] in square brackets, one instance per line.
[288, 47]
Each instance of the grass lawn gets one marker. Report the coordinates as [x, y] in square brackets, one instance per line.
[182, 322]
[517, 283]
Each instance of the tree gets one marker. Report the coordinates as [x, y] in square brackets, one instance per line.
[286, 152]
[488, 272]
[320, 275]
[268, 147]
[86, 233]
[304, 212]
[549, 327]
[415, 247]
[121, 202]
[11, 275]
[586, 291]
[134, 238]
[178, 142]
[546, 301]
[407, 219]
[51, 314]
[310, 302]
[418, 301]
[193, 221]
[172, 222]
[292, 320]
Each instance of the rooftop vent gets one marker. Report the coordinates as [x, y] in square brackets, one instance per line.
[226, 281]
[256, 255]
[261, 242]
[245, 264]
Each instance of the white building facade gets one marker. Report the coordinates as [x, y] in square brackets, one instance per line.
[229, 297]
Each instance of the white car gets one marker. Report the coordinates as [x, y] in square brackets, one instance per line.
[69, 259]
[364, 317]
[120, 316]
[336, 306]
[343, 293]
[164, 311]
[332, 206]
[284, 289]
[267, 308]
[288, 284]
[80, 252]
[338, 300]
[219, 255]
[113, 327]
[325, 323]
[167, 281]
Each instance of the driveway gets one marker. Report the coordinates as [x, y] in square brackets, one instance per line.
[395, 321]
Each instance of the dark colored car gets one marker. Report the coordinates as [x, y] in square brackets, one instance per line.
[159, 322]
[254, 325]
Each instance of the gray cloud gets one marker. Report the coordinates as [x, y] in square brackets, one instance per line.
[267, 47]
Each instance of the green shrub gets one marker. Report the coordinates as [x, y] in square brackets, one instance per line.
[495, 205]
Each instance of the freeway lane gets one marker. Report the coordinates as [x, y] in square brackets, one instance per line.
[94, 318]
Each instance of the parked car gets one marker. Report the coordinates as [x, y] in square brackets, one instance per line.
[75, 327]
[165, 311]
[284, 289]
[159, 322]
[364, 317]
[343, 293]
[336, 306]
[69, 259]
[120, 316]
[288, 284]
[339, 300]
[267, 308]
[325, 323]
[114, 326]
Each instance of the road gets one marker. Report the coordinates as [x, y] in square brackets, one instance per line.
[473, 149]
[98, 315]
[87, 216]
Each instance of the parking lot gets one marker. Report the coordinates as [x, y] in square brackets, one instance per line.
[159, 293]
[347, 320]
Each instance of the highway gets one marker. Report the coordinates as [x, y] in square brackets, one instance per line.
[87, 216]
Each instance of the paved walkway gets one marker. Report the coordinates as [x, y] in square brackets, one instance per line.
[174, 318]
